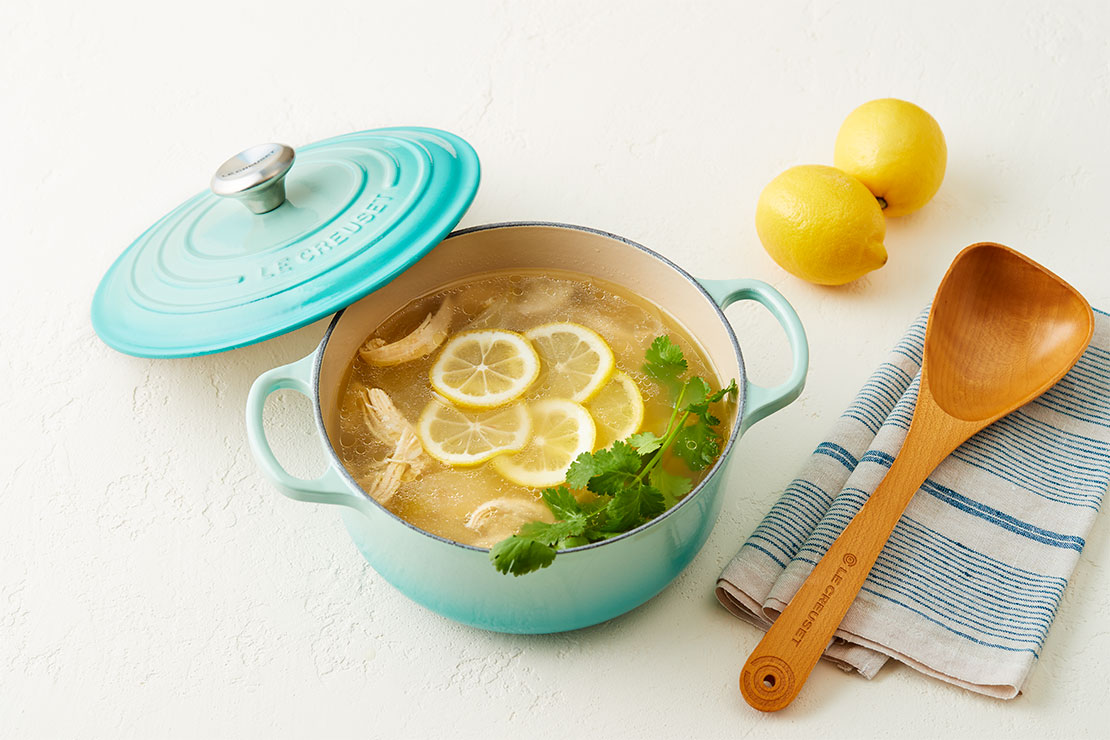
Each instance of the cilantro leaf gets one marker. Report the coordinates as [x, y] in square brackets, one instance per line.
[665, 362]
[645, 442]
[519, 555]
[581, 470]
[562, 502]
[695, 392]
[616, 467]
[673, 487]
[729, 390]
[603, 532]
[550, 534]
[591, 508]
[634, 505]
[699, 393]
[663, 353]
[697, 445]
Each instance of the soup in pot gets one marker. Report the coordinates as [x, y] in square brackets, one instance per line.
[465, 405]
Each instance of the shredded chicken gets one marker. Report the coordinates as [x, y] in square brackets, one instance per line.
[509, 311]
[502, 517]
[390, 427]
[492, 314]
[541, 299]
[421, 341]
[621, 336]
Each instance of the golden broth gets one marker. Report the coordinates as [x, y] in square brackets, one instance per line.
[441, 498]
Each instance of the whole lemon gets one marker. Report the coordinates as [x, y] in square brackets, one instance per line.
[821, 225]
[896, 149]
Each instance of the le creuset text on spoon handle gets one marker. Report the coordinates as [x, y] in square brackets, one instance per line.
[781, 662]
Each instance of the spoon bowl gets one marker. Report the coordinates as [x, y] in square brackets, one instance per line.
[1002, 331]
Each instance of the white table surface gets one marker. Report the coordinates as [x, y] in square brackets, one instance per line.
[153, 584]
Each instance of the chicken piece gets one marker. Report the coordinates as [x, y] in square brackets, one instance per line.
[542, 298]
[421, 341]
[384, 482]
[502, 517]
[492, 315]
[389, 426]
[473, 297]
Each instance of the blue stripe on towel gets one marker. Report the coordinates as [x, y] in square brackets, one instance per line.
[1070, 444]
[754, 546]
[1013, 524]
[883, 389]
[838, 453]
[956, 632]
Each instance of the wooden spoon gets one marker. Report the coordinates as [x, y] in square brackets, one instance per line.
[1001, 332]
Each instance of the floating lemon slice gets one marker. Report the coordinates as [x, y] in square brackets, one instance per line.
[561, 431]
[456, 437]
[575, 361]
[618, 409]
[485, 368]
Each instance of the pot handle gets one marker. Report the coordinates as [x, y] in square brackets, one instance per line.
[329, 488]
[761, 402]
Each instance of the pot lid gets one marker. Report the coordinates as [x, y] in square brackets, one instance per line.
[282, 239]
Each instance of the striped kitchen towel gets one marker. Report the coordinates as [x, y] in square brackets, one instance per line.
[968, 584]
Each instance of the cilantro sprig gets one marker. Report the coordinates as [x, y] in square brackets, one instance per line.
[631, 485]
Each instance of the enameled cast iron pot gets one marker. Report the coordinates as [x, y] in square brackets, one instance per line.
[585, 585]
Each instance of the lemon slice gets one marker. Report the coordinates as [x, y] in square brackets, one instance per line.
[561, 431]
[618, 409]
[575, 361]
[457, 437]
[485, 368]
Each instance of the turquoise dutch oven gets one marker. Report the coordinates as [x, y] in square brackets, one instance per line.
[358, 225]
[585, 585]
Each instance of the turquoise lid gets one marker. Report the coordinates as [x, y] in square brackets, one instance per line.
[277, 244]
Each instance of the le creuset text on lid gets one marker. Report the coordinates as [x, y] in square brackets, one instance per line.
[282, 239]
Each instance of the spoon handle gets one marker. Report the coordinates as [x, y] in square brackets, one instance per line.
[780, 664]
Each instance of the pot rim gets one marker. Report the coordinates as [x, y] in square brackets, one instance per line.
[734, 435]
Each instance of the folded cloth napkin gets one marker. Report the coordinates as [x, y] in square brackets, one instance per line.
[969, 582]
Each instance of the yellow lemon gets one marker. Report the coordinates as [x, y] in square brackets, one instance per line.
[457, 437]
[575, 361]
[618, 409]
[821, 225]
[896, 149]
[561, 431]
[485, 368]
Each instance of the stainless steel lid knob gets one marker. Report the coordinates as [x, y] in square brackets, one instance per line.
[255, 176]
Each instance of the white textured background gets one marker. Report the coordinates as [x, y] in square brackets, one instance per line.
[152, 584]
